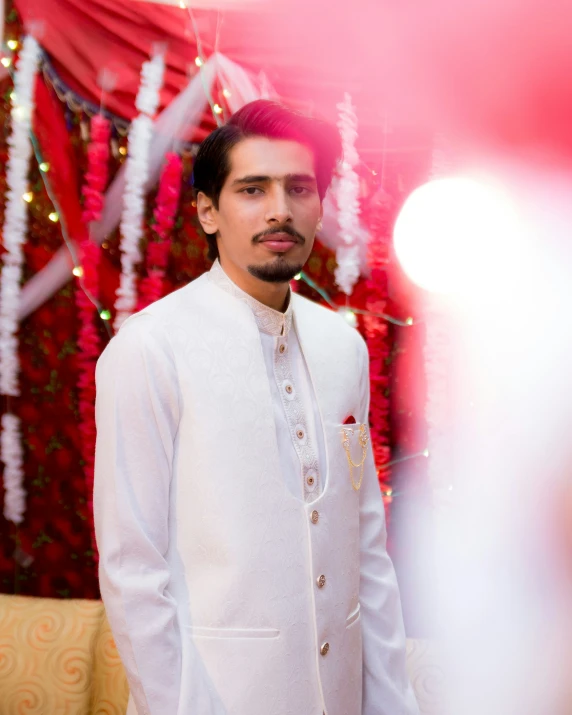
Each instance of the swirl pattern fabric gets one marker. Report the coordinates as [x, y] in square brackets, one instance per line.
[59, 656]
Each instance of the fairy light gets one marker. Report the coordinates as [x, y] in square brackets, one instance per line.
[298, 277]
[12, 44]
[54, 217]
[105, 315]
[44, 166]
[198, 62]
[358, 311]
[28, 197]
[78, 271]
[226, 93]
[349, 316]
[6, 62]
[217, 109]
[20, 114]
[123, 150]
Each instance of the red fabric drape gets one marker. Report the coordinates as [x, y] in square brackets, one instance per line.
[50, 128]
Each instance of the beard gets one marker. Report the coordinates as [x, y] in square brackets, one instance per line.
[278, 271]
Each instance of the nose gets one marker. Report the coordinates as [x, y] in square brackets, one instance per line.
[278, 211]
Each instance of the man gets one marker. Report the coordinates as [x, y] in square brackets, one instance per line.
[242, 555]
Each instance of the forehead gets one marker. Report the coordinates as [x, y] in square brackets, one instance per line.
[260, 156]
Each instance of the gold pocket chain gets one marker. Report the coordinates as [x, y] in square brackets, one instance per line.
[363, 439]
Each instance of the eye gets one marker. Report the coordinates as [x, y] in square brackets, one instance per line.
[301, 190]
[251, 191]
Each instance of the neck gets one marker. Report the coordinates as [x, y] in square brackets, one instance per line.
[273, 295]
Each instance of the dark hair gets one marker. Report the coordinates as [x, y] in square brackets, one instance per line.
[263, 118]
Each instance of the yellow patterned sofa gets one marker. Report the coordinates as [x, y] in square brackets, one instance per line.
[59, 657]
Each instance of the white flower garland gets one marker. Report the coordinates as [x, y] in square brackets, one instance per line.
[136, 175]
[14, 235]
[13, 458]
[349, 251]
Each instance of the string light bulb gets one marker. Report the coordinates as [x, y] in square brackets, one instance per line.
[6, 62]
[409, 321]
[105, 315]
[12, 44]
[123, 150]
[54, 217]
[226, 93]
[20, 114]
[45, 167]
[298, 277]
[28, 197]
[182, 4]
[425, 452]
[198, 62]
[217, 109]
[349, 316]
[77, 271]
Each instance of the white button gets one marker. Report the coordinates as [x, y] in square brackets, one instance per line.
[289, 391]
[311, 478]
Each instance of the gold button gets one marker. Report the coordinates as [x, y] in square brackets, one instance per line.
[310, 481]
[300, 434]
[289, 389]
[282, 348]
[315, 517]
[325, 648]
[321, 581]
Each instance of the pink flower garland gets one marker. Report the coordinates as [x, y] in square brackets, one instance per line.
[88, 338]
[151, 287]
[377, 340]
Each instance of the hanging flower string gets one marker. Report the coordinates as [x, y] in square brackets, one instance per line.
[151, 287]
[136, 175]
[14, 235]
[376, 330]
[348, 253]
[87, 296]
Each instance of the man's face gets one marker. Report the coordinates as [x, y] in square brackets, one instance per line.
[268, 211]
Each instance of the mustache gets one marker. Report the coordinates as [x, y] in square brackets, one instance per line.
[281, 229]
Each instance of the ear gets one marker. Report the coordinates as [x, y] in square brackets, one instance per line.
[206, 213]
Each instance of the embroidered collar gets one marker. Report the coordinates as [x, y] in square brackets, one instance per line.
[268, 320]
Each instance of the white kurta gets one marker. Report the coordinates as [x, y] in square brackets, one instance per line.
[294, 403]
[231, 589]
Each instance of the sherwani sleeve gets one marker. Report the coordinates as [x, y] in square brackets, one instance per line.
[137, 418]
[386, 685]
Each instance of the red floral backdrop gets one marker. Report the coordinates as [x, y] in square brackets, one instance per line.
[51, 553]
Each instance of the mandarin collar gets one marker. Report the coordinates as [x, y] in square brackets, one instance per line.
[268, 320]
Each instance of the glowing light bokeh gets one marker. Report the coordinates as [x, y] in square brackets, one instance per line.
[455, 232]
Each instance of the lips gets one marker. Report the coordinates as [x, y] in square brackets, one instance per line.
[280, 238]
[279, 242]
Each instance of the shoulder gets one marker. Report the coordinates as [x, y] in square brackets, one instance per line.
[148, 329]
[332, 325]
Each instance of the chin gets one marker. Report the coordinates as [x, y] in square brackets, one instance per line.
[277, 270]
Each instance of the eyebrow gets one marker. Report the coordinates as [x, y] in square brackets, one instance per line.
[255, 179]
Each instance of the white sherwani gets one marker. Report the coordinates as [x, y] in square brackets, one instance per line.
[241, 572]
